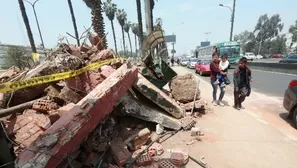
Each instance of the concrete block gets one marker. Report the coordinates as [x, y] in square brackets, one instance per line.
[157, 96]
[136, 108]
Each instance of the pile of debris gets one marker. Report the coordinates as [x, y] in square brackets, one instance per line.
[80, 121]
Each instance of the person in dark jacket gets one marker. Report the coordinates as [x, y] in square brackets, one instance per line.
[241, 79]
[214, 71]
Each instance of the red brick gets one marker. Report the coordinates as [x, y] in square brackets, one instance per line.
[166, 164]
[144, 160]
[44, 105]
[53, 116]
[105, 96]
[119, 151]
[106, 70]
[32, 138]
[93, 159]
[23, 133]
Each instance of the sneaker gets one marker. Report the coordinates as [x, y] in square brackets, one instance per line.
[221, 103]
[240, 106]
[223, 84]
[215, 103]
[236, 107]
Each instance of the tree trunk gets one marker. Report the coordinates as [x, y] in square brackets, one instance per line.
[98, 21]
[124, 44]
[140, 26]
[148, 15]
[135, 40]
[114, 37]
[73, 21]
[27, 24]
[130, 44]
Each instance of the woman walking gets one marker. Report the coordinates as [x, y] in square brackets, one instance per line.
[214, 71]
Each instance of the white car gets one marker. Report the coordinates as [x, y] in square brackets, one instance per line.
[250, 56]
[259, 57]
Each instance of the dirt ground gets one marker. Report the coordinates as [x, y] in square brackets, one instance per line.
[253, 137]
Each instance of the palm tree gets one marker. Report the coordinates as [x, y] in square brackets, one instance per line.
[110, 10]
[149, 6]
[140, 27]
[27, 24]
[73, 21]
[97, 19]
[122, 17]
[135, 30]
[127, 27]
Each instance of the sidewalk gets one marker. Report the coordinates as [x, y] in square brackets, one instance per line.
[240, 139]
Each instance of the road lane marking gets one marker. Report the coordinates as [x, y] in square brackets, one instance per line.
[280, 73]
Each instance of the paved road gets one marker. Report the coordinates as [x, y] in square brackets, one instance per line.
[269, 83]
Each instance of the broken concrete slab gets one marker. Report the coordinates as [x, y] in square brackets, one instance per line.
[136, 108]
[157, 96]
[183, 88]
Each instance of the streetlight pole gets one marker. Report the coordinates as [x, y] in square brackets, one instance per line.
[232, 17]
[37, 22]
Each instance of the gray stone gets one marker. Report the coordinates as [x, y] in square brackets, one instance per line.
[135, 108]
[183, 88]
[157, 96]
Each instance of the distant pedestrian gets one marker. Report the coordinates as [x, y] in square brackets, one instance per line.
[172, 60]
[214, 71]
[242, 87]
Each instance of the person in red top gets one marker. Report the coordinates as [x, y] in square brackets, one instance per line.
[214, 71]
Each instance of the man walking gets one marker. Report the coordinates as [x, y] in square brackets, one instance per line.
[241, 79]
[214, 71]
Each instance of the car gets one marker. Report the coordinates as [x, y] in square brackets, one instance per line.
[290, 100]
[191, 63]
[290, 59]
[184, 62]
[202, 67]
[276, 56]
[250, 56]
[259, 57]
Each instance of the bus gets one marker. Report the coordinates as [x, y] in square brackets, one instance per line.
[231, 49]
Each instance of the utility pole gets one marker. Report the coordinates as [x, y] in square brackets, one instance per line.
[37, 22]
[232, 17]
[232, 20]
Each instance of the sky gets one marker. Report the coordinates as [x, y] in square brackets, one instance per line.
[189, 20]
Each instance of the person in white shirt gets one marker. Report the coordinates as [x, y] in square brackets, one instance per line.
[224, 64]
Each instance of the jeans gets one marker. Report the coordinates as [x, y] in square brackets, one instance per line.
[214, 91]
[239, 96]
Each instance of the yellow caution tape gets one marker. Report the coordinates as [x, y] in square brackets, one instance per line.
[10, 86]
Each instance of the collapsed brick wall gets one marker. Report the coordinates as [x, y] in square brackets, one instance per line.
[77, 121]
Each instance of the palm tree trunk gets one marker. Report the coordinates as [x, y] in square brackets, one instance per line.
[130, 44]
[98, 22]
[124, 44]
[73, 21]
[140, 26]
[114, 37]
[27, 24]
[148, 16]
[135, 40]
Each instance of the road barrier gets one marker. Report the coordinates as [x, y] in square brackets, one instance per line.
[274, 67]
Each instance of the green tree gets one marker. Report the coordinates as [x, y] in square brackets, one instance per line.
[97, 19]
[268, 28]
[293, 31]
[73, 21]
[278, 45]
[18, 56]
[110, 10]
[127, 27]
[27, 24]
[122, 18]
[247, 40]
